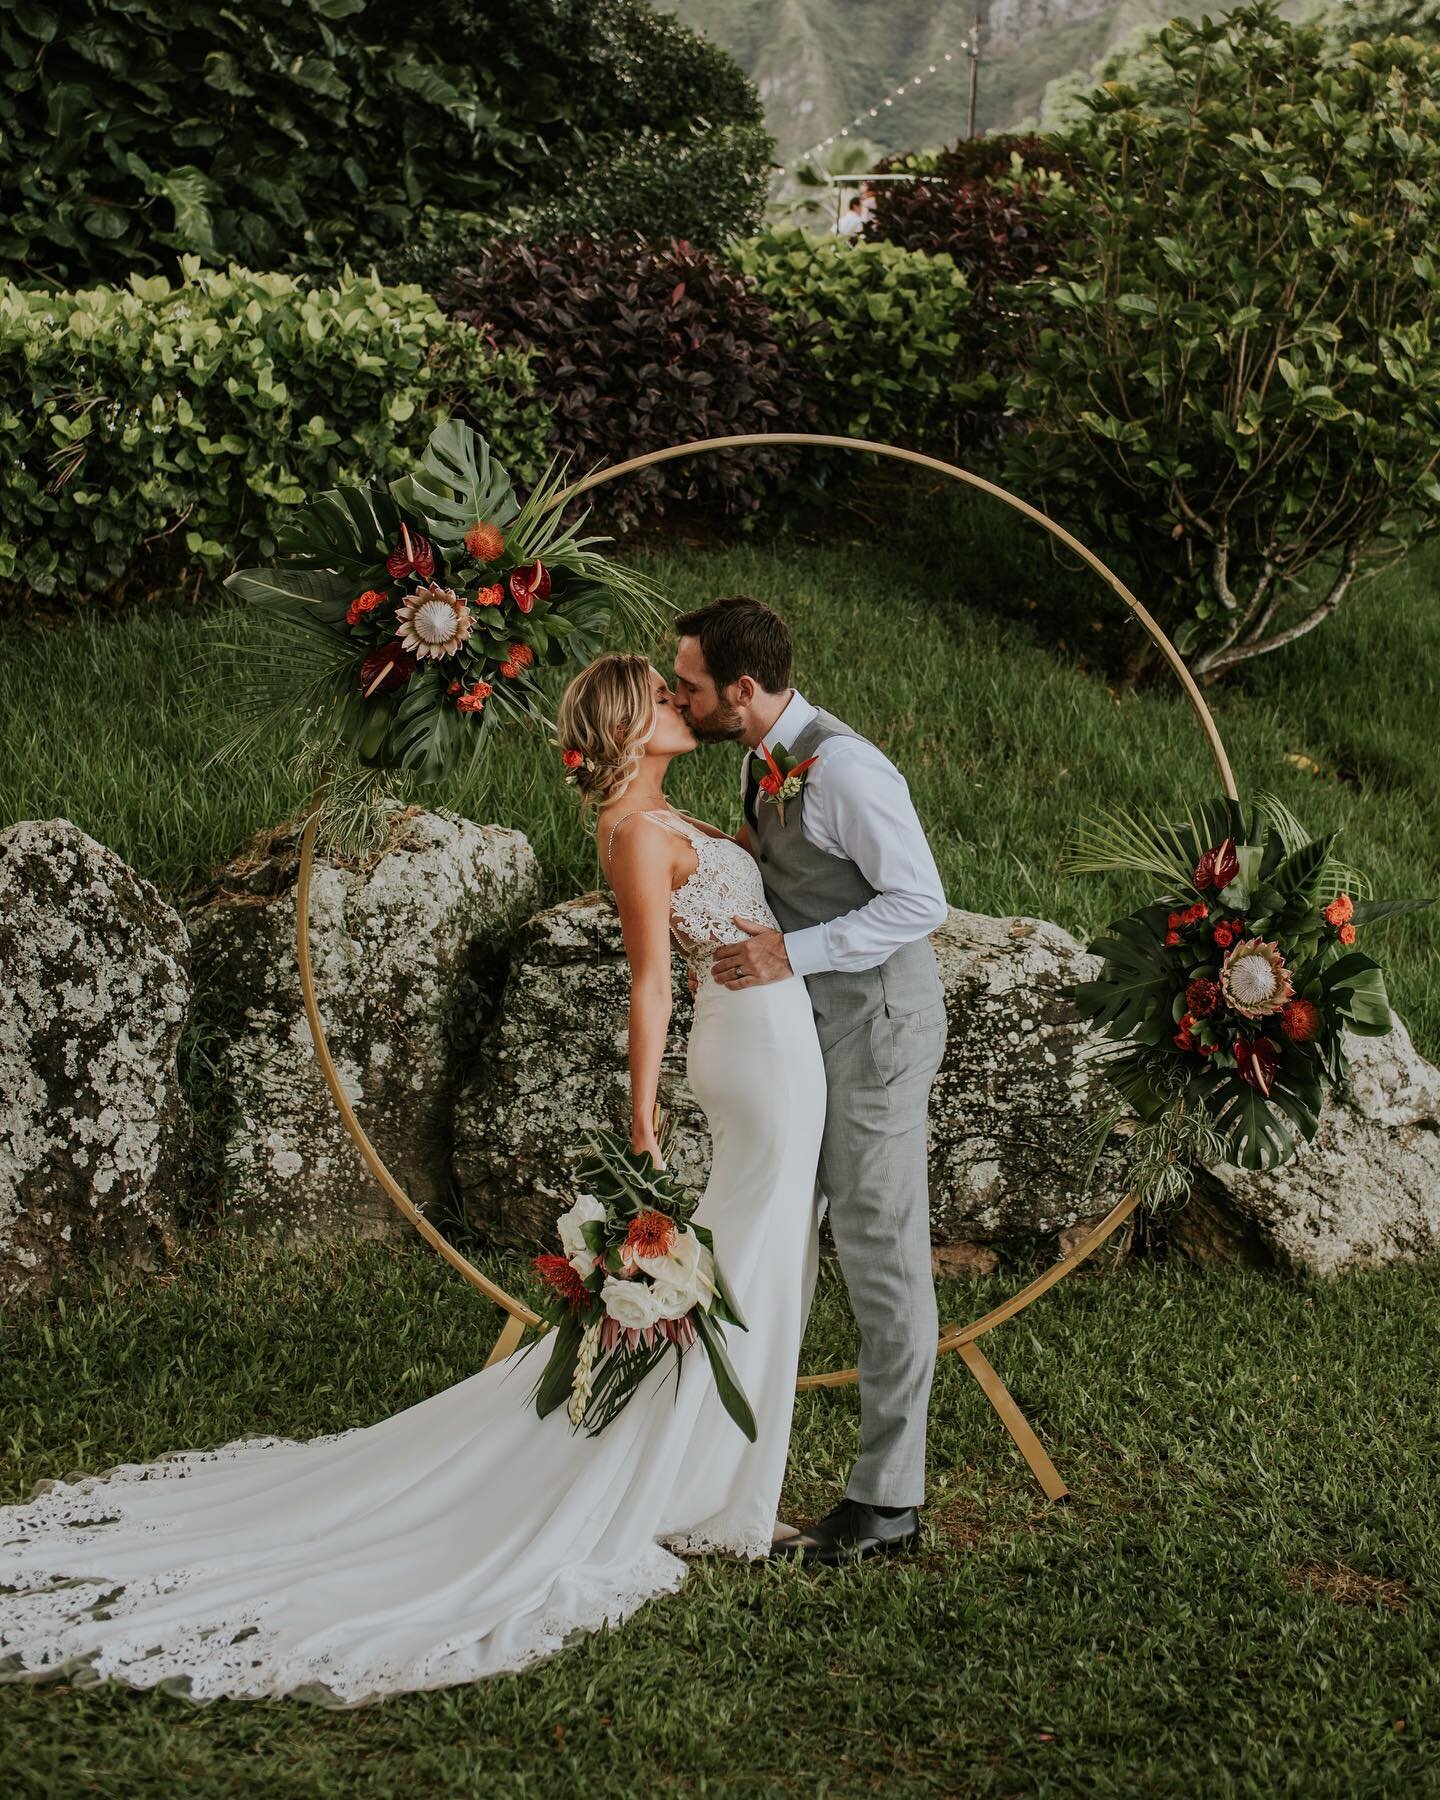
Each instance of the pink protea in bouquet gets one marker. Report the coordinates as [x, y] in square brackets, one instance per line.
[635, 1280]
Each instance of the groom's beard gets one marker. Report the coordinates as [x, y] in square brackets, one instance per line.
[722, 726]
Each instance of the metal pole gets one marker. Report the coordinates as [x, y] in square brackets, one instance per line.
[974, 49]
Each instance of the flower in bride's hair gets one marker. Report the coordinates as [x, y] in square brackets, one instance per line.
[631, 1304]
[573, 759]
[567, 1282]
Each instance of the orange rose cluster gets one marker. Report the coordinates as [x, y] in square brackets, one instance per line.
[1339, 913]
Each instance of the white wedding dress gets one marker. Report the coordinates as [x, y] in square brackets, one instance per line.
[464, 1536]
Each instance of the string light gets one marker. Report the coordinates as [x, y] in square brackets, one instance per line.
[873, 112]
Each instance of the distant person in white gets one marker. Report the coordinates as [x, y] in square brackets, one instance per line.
[854, 218]
[858, 805]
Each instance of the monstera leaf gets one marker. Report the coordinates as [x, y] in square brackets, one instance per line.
[1132, 996]
[457, 485]
[1261, 1129]
[350, 530]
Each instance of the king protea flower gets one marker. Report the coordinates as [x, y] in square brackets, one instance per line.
[1254, 979]
[434, 621]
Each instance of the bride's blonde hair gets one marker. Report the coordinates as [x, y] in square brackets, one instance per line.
[606, 717]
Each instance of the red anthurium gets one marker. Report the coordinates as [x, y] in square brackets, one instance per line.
[1257, 1060]
[385, 669]
[529, 583]
[411, 556]
[1217, 868]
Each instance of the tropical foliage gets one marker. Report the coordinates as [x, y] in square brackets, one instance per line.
[634, 347]
[1232, 372]
[412, 618]
[1230, 994]
[296, 133]
[157, 431]
[876, 327]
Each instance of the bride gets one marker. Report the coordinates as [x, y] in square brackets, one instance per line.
[466, 1536]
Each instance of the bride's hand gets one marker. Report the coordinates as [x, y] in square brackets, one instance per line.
[640, 1142]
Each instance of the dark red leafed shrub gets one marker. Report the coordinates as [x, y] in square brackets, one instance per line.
[636, 346]
[996, 235]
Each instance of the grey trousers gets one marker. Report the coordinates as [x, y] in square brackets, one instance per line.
[874, 1172]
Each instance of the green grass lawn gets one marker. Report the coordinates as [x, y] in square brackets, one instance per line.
[1243, 1597]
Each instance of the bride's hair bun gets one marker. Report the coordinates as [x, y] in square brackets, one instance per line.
[606, 717]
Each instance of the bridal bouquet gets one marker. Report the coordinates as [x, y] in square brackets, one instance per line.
[412, 617]
[637, 1280]
[1232, 990]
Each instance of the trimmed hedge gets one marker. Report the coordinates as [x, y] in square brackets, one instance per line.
[877, 327]
[634, 347]
[294, 133]
[706, 188]
[156, 432]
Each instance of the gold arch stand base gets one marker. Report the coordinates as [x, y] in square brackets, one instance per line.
[964, 1340]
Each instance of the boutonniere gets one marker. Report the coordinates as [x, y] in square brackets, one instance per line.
[779, 775]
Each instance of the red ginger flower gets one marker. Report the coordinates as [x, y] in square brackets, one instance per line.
[485, 542]
[411, 556]
[1202, 997]
[556, 1272]
[1258, 1060]
[1217, 868]
[1300, 1021]
[366, 603]
[1340, 910]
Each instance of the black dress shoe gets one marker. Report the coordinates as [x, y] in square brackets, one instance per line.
[854, 1530]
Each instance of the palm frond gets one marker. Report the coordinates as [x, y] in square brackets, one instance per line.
[1133, 840]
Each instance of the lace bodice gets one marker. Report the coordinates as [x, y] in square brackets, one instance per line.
[726, 882]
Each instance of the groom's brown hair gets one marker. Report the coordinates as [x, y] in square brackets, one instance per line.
[741, 636]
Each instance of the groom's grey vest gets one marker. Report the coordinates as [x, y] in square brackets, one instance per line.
[808, 886]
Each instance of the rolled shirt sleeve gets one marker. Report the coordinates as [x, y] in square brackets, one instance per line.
[858, 805]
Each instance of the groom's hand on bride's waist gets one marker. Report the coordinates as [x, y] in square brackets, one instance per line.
[761, 958]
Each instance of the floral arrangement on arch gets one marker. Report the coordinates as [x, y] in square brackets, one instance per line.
[415, 617]
[636, 1281]
[1232, 991]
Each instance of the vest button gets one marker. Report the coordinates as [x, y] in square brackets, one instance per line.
[764, 857]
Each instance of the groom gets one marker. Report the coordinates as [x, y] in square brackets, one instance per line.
[850, 876]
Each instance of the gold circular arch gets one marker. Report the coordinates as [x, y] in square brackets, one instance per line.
[963, 1339]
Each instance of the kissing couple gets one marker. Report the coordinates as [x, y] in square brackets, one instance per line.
[467, 1535]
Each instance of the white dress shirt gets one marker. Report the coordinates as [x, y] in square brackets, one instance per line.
[858, 805]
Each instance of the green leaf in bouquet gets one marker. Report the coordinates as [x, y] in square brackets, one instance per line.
[553, 1388]
[1133, 840]
[318, 593]
[727, 1384]
[457, 485]
[1134, 986]
[428, 733]
[1298, 877]
[1257, 1136]
[350, 530]
[1368, 911]
[722, 1286]
[1354, 988]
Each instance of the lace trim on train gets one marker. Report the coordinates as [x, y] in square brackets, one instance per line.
[240, 1652]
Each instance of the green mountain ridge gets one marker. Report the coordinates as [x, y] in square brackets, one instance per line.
[819, 63]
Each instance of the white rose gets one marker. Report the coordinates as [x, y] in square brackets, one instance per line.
[584, 1263]
[630, 1304]
[586, 1210]
[673, 1302]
